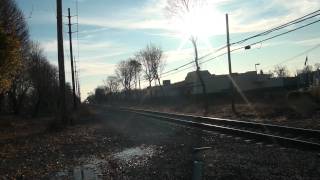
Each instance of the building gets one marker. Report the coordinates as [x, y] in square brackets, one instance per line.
[316, 78]
[248, 81]
[306, 79]
[221, 83]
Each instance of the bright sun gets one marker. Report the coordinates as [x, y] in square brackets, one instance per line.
[200, 22]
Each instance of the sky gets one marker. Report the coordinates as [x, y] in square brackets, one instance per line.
[110, 31]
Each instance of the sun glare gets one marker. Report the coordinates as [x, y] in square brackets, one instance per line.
[201, 22]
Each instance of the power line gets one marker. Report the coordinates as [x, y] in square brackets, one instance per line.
[215, 57]
[272, 37]
[242, 47]
[301, 19]
[298, 20]
[199, 64]
[177, 71]
[296, 56]
[191, 62]
[208, 54]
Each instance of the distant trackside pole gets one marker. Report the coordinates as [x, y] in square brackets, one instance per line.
[62, 95]
[71, 60]
[230, 68]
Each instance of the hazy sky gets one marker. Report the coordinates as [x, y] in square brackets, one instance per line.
[113, 30]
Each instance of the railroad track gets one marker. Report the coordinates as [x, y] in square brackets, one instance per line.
[289, 137]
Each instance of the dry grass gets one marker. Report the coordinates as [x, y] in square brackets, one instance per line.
[13, 127]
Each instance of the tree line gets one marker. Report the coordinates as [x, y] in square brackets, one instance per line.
[28, 82]
[146, 65]
[124, 85]
[281, 71]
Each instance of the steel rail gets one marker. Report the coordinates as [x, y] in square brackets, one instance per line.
[259, 136]
[307, 133]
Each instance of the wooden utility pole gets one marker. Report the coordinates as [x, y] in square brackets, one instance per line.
[62, 95]
[77, 81]
[71, 60]
[79, 92]
[139, 83]
[75, 74]
[230, 68]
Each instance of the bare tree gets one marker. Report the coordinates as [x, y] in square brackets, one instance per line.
[307, 69]
[136, 67]
[18, 91]
[99, 94]
[146, 63]
[152, 61]
[112, 83]
[306, 75]
[124, 72]
[44, 81]
[181, 9]
[317, 66]
[281, 71]
[156, 55]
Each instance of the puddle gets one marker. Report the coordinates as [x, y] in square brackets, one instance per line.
[94, 168]
[89, 171]
[135, 154]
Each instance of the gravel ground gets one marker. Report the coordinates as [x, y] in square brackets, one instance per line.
[120, 145]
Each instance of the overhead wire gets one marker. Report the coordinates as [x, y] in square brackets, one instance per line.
[191, 62]
[298, 20]
[215, 57]
[290, 23]
[272, 37]
[242, 47]
[289, 59]
[296, 56]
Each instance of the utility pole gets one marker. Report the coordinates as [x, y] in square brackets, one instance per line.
[62, 95]
[230, 68]
[75, 74]
[77, 80]
[71, 59]
[139, 83]
[79, 92]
